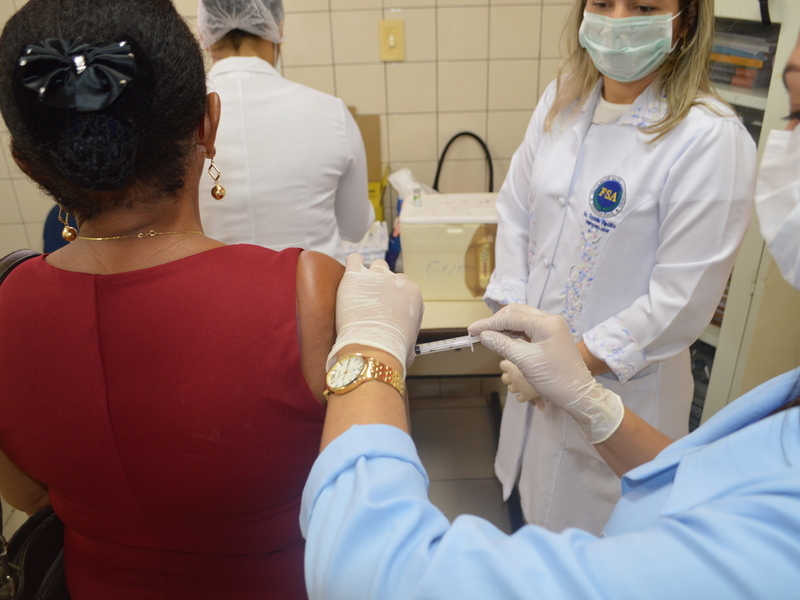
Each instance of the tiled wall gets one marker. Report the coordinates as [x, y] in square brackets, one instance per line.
[476, 65]
[23, 206]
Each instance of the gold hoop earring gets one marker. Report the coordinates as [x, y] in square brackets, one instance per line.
[69, 233]
[217, 192]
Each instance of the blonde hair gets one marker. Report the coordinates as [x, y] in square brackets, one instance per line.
[683, 78]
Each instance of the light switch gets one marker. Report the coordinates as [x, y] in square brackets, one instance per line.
[392, 40]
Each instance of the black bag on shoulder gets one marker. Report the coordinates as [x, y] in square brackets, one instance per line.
[31, 562]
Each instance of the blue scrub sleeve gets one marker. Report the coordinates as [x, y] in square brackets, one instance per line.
[372, 533]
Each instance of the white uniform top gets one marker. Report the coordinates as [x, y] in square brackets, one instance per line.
[633, 244]
[292, 163]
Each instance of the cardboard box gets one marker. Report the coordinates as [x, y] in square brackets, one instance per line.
[370, 126]
[448, 244]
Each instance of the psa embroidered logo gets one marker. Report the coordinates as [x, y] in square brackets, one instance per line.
[608, 196]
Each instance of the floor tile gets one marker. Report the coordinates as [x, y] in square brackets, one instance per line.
[455, 443]
[481, 497]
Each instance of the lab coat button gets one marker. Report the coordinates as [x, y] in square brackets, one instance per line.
[562, 202]
[546, 263]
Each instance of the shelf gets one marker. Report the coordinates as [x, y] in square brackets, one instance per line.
[743, 96]
[711, 335]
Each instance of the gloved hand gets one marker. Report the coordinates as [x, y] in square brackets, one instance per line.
[378, 308]
[517, 384]
[552, 364]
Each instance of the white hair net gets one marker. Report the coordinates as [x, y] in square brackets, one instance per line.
[262, 18]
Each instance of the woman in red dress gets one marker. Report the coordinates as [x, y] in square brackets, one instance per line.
[161, 390]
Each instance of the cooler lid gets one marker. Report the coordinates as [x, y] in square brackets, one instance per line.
[450, 208]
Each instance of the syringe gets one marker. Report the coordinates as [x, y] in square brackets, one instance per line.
[463, 341]
[458, 342]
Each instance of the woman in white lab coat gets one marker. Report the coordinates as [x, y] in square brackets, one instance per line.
[623, 210]
[292, 158]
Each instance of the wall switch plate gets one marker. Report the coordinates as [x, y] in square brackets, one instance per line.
[392, 40]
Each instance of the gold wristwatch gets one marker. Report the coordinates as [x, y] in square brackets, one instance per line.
[354, 369]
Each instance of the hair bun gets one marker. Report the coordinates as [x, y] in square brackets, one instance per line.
[96, 151]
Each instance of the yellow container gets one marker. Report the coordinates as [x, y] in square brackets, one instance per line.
[448, 244]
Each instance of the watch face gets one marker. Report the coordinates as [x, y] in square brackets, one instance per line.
[345, 371]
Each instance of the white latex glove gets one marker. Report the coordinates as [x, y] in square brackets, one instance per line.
[517, 384]
[378, 308]
[552, 364]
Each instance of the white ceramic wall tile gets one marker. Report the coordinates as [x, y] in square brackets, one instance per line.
[307, 40]
[411, 87]
[389, 4]
[12, 237]
[513, 84]
[500, 171]
[5, 147]
[420, 31]
[188, 8]
[463, 33]
[7, 9]
[35, 233]
[554, 20]
[506, 131]
[513, 2]
[362, 86]
[319, 78]
[34, 204]
[355, 4]
[548, 71]
[462, 85]
[5, 173]
[384, 140]
[514, 31]
[355, 36]
[464, 147]
[464, 176]
[296, 6]
[9, 208]
[461, 3]
[412, 137]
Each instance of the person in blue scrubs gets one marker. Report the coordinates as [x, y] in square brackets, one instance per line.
[714, 515]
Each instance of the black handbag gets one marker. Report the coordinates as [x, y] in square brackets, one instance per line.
[31, 562]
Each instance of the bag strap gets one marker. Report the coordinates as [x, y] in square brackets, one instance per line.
[9, 262]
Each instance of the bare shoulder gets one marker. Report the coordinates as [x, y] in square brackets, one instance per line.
[318, 277]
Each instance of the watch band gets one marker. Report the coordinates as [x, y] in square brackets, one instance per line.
[373, 370]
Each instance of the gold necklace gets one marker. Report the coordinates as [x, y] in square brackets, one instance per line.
[141, 236]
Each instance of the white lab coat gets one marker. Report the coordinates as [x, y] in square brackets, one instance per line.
[292, 162]
[638, 283]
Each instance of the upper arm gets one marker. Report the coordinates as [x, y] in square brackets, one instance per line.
[20, 491]
[318, 277]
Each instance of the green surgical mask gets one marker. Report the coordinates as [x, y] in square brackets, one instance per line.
[627, 49]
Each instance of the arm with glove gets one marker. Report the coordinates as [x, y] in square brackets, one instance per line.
[552, 366]
[378, 315]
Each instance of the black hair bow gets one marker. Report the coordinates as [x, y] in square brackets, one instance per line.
[72, 74]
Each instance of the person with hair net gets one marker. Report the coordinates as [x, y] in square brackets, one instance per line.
[291, 158]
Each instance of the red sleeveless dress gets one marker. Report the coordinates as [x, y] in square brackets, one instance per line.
[166, 410]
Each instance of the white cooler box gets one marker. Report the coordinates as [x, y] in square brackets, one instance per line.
[448, 244]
